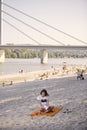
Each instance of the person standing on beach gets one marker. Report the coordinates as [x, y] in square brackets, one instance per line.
[65, 70]
[43, 101]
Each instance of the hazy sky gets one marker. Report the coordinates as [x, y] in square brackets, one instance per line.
[69, 16]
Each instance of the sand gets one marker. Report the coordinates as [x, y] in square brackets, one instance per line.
[18, 100]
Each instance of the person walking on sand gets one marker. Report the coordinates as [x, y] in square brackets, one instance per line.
[43, 101]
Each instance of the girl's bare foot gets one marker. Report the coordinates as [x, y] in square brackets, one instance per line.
[50, 109]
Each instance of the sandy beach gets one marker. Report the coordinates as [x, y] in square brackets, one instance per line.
[41, 74]
[18, 100]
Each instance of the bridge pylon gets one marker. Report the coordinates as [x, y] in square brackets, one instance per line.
[2, 56]
[44, 56]
[0, 23]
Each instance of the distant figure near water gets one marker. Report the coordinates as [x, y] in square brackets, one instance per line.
[65, 70]
[64, 66]
[20, 71]
[43, 101]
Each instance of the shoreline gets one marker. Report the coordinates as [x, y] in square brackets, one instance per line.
[70, 71]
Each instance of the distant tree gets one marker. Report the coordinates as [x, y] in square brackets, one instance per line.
[7, 54]
[14, 55]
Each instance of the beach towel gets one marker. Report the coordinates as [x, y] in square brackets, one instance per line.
[39, 113]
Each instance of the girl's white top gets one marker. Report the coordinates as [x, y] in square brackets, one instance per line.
[43, 101]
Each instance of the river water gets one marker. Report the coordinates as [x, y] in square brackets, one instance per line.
[14, 65]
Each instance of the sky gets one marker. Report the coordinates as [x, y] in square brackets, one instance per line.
[69, 16]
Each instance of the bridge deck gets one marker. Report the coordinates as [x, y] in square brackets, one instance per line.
[41, 47]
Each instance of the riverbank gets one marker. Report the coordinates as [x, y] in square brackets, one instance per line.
[9, 79]
[12, 66]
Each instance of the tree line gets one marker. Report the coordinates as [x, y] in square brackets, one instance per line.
[26, 53]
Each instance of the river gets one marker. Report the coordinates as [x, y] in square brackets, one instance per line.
[14, 65]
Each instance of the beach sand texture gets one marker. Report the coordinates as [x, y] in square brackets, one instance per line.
[18, 100]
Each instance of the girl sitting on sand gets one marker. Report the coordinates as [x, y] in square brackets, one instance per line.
[43, 101]
[80, 75]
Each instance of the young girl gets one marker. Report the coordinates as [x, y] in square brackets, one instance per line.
[44, 101]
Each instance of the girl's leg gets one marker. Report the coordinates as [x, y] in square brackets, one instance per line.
[42, 110]
[50, 109]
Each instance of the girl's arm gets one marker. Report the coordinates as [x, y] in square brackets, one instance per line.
[48, 102]
[39, 102]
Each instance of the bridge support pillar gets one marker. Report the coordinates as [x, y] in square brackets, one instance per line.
[2, 56]
[44, 56]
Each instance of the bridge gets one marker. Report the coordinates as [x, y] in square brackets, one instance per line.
[44, 57]
[43, 47]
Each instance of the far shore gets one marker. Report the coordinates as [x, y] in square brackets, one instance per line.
[9, 79]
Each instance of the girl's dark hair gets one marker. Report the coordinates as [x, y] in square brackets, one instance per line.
[45, 91]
